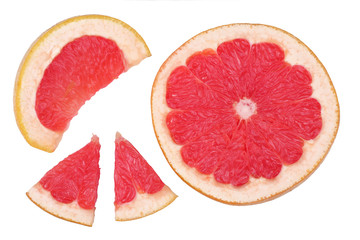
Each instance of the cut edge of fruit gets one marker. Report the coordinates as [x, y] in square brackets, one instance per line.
[71, 212]
[145, 204]
[53, 138]
[157, 127]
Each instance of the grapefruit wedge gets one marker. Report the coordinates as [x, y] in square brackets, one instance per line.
[244, 112]
[65, 67]
[69, 190]
[138, 189]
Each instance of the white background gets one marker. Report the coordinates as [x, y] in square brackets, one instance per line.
[326, 205]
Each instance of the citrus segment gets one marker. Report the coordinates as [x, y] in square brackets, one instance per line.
[138, 189]
[64, 67]
[206, 151]
[237, 110]
[183, 85]
[188, 125]
[83, 67]
[69, 190]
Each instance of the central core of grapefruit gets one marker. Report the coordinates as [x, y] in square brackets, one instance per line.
[245, 108]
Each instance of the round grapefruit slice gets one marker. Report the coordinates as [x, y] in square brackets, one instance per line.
[65, 67]
[69, 190]
[244, 112]
[138, 189]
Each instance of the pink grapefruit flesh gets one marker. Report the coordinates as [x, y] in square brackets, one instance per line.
[264, 105]
[240, 109]
[69, 190]
[84, 66]
[139, 191]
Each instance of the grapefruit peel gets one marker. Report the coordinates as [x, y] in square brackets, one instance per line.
[46, 48]
[314, 151]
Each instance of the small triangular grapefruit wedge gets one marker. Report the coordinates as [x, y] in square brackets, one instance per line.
[138, 189]
[65, 67]
[69, 190]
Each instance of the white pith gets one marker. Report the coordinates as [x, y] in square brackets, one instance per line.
[71, 211]
[144, 204]
[261, 189]
[44, 50]
[245, 108]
